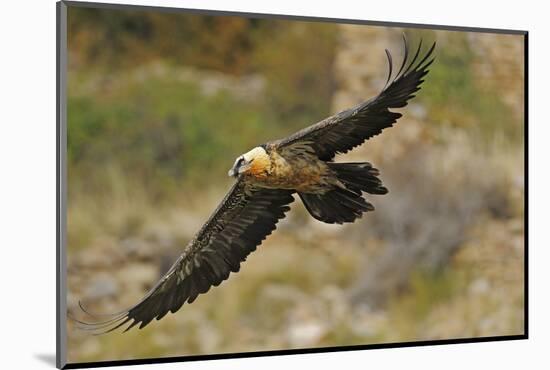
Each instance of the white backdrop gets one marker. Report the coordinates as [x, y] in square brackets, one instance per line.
[27, 203]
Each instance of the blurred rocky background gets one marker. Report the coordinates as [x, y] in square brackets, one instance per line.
[160, 104]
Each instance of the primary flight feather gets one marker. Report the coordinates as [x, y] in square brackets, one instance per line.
[266, 179]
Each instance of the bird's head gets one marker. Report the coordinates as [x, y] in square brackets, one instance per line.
[255, 163]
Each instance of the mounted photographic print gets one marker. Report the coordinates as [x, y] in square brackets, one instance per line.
[235, 184]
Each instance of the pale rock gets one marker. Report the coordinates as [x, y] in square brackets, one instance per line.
[306, 334]
[138, 275]
[101, 287]
[479, 286]
[137, 247]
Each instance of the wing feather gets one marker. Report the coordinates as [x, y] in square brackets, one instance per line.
[245, 217]
[350, 128]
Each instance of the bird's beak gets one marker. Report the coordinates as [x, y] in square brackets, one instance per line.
[234, 172]
[238, 169]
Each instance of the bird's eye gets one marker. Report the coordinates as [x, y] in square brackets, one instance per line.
[240, 161]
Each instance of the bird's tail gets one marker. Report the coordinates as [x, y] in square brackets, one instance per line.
[345, 203]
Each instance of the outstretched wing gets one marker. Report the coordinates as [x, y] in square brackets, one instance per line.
[350, 128]
[239, 224]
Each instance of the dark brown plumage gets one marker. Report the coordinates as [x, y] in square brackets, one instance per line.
[267, 178]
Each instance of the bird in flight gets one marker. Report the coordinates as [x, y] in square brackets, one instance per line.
[266, 178]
